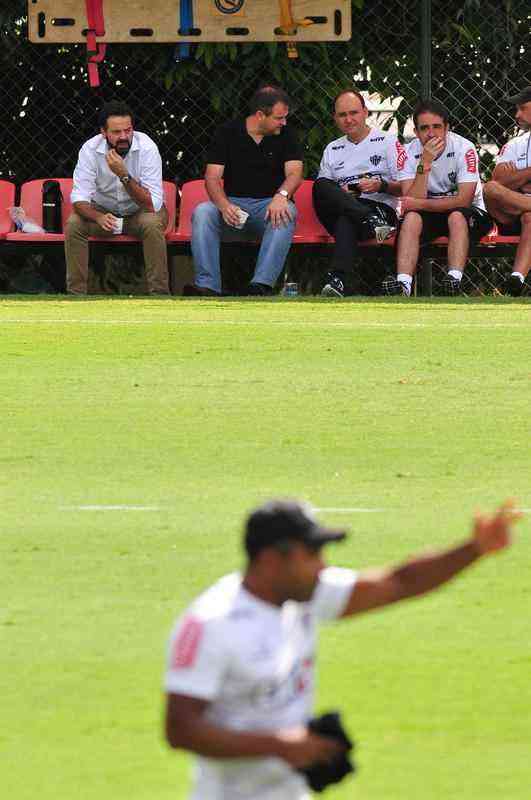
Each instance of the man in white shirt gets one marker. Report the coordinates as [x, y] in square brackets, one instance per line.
[442, 196]
[508, 194]
[357, 186]
[117, 182]
[240, 667]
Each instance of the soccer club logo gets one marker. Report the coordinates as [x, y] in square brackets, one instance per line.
[452, 178]
[229, 6]
[375, 160]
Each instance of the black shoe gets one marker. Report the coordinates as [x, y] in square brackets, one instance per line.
[514, 286]
[258, 290]
[393, 286]
[191, 290]
[450, 287]
[334, 286]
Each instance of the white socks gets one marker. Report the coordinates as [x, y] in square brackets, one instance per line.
[406, 280]
[455, 273]
[518, 275]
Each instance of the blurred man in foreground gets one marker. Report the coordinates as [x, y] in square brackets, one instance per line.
[240, 672]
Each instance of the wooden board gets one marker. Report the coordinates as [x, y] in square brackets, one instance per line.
[57, 21]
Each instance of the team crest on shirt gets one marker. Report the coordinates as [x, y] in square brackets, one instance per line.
[375, 160]
[471, 160]
[452, 178]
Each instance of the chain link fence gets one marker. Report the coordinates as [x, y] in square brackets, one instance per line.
[479, 54]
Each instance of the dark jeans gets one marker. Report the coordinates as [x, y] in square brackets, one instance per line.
[345, 216]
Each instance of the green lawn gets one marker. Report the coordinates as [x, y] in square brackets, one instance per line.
[137, 433]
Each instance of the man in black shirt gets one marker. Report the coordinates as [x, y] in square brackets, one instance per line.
[254, 165]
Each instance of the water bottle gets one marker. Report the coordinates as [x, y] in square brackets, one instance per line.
[290, 290]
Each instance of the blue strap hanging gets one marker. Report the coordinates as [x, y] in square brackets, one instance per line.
[186, 8]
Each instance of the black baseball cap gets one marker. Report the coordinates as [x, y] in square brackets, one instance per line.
[522, 97]
[286, 520]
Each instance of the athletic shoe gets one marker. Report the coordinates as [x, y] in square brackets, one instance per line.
[334, 286]
[450, 287]
[513, 286]
[394, 286]
[258, 290]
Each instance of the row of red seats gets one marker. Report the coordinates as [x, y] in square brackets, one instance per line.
[308, 230]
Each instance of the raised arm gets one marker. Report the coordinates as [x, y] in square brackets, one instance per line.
[381, 587]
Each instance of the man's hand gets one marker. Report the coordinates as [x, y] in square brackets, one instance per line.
[278, 211]
[410, 204]
[107, 222]
[494, 533]
[230, 214]
[300, 748]
[432, 149]
[508, 166]
[369, 185]
[116, 164]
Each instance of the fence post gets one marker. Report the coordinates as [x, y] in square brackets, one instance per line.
[425, 266]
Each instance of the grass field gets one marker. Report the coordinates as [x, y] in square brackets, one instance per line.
[136, 433]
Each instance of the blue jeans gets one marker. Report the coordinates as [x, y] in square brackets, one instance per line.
[209, 229]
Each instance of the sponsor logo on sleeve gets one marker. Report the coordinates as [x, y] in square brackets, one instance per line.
[186, 644]
[401, 155]
[471, 160]
[504, 148]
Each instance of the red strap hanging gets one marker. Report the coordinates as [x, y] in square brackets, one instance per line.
[95, 50]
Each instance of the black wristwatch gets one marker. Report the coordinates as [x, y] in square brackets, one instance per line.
[125, 179]
[384, 186]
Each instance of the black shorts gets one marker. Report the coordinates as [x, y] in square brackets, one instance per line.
[513, 228]
[435, 224]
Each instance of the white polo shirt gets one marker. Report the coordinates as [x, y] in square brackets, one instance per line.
[458, 163]
[95, 183]
[254, 662]
[517, 150]
[377, 156]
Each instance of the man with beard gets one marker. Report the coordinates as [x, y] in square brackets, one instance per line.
[117, 188]
[508, 194]
[442, 196]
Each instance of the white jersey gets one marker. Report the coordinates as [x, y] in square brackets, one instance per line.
[458, 163]
[377, 156]
[254, 663]
[518, 151]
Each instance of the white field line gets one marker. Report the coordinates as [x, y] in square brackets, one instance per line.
[352, 510]
[109, 508]
[258, 321]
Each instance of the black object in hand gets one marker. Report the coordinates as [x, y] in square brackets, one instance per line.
[322, 774]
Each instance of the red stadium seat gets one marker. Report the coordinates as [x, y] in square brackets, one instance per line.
[308, 229]
[192, 193]
[7, 199]
[31, 202]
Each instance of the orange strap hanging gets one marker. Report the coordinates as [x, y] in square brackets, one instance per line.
[289, 25]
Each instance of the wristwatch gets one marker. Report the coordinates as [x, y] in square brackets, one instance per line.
[422, 169]
[383, 185]
[283, 192]
[125, 179]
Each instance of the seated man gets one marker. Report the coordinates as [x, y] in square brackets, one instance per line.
[508, 194]
[357, 188]
[117, 182]
[254, 165]
[442, 196]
